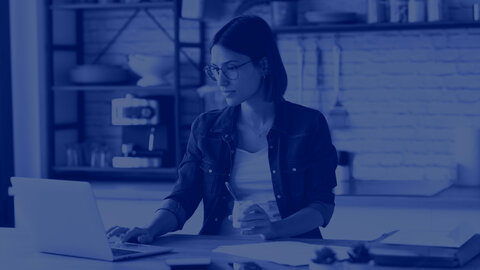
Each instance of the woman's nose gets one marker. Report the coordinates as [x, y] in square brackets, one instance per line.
[222, 79]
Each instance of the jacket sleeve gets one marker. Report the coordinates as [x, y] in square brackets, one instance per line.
[321, 179]
[187, 192]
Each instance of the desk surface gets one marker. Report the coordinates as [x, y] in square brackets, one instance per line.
[17, 251]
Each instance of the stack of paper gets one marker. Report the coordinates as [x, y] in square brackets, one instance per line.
[281, 252]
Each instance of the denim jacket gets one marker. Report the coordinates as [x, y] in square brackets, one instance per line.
[302, 162]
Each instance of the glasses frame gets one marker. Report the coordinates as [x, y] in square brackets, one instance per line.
[211, 74]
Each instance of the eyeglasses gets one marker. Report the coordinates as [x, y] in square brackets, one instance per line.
[230, 71]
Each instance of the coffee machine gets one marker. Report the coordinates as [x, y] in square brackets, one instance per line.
[147, 131]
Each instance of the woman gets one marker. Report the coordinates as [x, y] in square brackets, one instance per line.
[274, 153]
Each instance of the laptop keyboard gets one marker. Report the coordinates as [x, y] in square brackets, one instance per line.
[121, 252]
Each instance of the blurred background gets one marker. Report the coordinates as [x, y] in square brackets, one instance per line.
[105, 91]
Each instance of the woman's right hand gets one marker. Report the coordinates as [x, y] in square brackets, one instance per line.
[135, 234]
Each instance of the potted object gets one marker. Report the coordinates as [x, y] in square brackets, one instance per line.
[360, 254]
[325, 259]
[151, 68]
[284, 12]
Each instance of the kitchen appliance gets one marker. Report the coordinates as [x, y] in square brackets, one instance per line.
[147, 131]
[134, 111]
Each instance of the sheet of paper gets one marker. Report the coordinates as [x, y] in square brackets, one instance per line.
[281, 252]
[348, 234]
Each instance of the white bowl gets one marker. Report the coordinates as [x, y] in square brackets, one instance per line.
[152, 68]
[98, 74]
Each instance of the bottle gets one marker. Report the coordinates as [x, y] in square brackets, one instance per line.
[435, 10]
[416, 11]
[398, 11]
[476, 12]
[343, 172]
[376, 11]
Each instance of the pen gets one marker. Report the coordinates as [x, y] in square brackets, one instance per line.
[383, 236]
[230, 190]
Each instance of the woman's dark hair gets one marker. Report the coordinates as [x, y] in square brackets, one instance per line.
[251, 36]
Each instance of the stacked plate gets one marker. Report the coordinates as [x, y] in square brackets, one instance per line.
[330, 17]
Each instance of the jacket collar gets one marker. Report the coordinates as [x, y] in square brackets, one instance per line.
[227, 120]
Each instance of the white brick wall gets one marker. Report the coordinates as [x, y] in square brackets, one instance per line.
[405, 91]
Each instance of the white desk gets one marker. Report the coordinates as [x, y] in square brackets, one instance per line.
[17, 252]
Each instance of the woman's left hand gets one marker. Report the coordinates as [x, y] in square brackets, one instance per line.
[256, 221]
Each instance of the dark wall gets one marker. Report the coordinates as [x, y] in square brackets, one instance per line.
[6, 129]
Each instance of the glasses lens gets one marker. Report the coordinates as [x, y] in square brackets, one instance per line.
[230, 71]
[210, 71]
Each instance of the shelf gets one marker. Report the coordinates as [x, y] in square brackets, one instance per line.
[127, 172]
[166, 90]
[160, 5]
[362, 27]
[170, 94]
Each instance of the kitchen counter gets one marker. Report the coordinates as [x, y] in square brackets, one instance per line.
[450, 197]
[447, 197]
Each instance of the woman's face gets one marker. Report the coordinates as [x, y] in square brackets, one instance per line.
[246, 82]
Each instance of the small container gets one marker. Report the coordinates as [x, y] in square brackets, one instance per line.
[398, 11]
[74, 155]
[476, 12]
[343, 172]
[238, 208]
[435, 10]
[284, 12]
[376, 11]
[416, 11]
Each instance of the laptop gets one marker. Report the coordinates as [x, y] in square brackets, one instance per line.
[64, 219]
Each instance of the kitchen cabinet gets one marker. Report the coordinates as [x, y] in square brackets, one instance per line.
[373, 214]
[67, 101]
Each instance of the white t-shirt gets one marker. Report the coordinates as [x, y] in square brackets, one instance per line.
[251, 180]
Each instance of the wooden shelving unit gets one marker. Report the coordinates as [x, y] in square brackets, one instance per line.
[172, 91]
